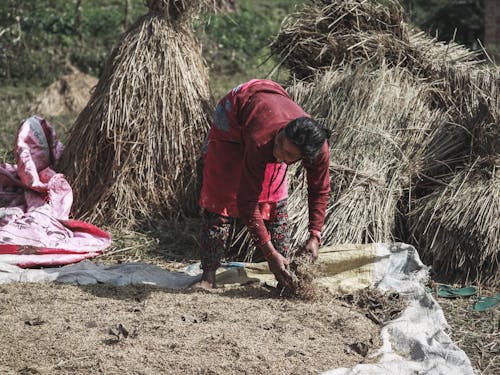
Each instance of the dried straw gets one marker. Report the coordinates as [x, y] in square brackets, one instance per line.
[132, 151]
[304, 273]
[457, 227]
[178, 10]
[458, 96]
[472, 101]
[335, 34]
[380, 123]
[328, 34]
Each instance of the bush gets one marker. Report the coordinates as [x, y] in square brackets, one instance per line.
[239, 41]
[41, 36]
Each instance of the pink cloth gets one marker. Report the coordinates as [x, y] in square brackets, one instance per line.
[35, 203]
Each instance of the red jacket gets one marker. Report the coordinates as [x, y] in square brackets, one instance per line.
[241, 176]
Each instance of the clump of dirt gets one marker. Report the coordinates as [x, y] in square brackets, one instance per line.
[377, 306]
[304, 272]
[68, 94]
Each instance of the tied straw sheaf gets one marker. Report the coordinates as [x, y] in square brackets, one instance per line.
[132, 151]
[463, 215]
[408, 115]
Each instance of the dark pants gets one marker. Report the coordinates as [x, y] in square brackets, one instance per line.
[217, 230]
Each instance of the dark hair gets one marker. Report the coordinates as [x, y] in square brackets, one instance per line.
[308, 135]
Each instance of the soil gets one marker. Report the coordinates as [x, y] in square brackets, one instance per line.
[64, 329]
[69, 94]
[476, 333]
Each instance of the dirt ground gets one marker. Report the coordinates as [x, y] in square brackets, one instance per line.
[476, 333]
[63, 329]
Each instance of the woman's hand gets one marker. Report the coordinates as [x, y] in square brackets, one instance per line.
[277, 264]
[312, 247]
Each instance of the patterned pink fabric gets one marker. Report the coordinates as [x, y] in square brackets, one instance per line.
[35, 203]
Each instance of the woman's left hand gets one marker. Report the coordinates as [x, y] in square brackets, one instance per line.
[312, 247]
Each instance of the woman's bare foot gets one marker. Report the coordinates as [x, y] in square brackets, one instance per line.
[207, 281]
[203, 284]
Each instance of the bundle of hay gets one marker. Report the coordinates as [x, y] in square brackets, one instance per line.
[132, 151]
[332, 33]
[435, 58]
[380, 125]
[457, 226]
[328, 35]
[454, 85]
[472, 101]
[69, 94]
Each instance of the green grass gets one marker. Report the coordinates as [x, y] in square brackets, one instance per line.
[14, 106]
[236, 46]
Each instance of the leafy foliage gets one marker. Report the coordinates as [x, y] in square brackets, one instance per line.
[239, 41]
[40, 37]
[458, 20]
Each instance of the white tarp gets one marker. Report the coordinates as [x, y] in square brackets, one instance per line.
[414, 343]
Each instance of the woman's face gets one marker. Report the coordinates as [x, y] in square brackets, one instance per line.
[284, 150]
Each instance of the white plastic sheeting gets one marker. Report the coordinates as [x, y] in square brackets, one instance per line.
[416, 342]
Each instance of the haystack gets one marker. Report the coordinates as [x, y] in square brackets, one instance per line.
[69, 94]
[328, 34]
[380, 125]
[453, 83]
[132, 151]
[472, 101]
[457, 226]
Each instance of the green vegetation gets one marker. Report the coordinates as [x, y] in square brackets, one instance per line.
[41, 37]
[458, 20]
[235, 45]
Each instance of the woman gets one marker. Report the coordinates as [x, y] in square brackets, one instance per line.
[257, 131]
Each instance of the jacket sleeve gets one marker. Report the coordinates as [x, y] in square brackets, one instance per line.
[318, 189]
[252, 177]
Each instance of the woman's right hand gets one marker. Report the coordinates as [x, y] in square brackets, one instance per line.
[277, 264]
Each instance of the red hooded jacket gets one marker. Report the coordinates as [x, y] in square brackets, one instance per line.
[241, 177]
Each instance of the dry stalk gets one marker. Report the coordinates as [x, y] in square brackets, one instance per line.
[132, 151]
[456, 227]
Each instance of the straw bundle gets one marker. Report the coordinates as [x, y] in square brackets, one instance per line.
[335, 33]
[132, 151]
[380, 125]
[176, 10]
[457, 227]
[327, 33]
[457, 109]
[471, 99]
[434, 55]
